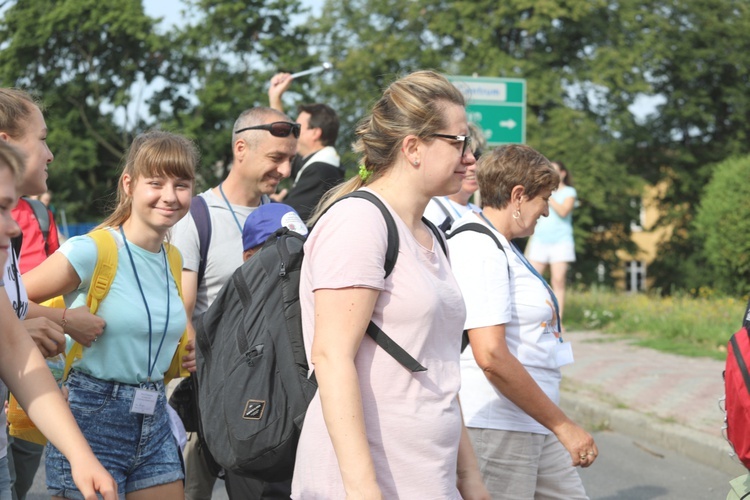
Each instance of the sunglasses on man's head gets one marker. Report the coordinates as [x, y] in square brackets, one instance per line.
[277, 129]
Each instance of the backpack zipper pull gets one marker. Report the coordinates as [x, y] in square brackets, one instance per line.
[282, 271]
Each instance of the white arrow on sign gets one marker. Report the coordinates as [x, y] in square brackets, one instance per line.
[511, 124]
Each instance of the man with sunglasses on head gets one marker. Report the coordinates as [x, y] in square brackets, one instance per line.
[317, 167]
[264, 142]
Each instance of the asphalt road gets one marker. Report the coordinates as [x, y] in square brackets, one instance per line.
[630, 469]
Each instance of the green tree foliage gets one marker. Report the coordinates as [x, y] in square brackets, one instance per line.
[695, 55]
[723, 223]
[82, 57]
[586, 63]
[371, 43]
[220, 65]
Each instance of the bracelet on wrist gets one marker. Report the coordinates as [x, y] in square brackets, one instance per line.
[63, 321]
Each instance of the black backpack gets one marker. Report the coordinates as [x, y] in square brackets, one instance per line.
[253, 385]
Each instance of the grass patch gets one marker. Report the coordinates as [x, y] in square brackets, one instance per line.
[685, 325]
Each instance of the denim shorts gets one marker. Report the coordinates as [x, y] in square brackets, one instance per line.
[4, 479]
[138, 450]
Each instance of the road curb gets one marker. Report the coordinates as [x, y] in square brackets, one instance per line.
[713, 451]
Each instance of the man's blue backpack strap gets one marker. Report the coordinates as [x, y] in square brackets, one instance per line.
[202, 218]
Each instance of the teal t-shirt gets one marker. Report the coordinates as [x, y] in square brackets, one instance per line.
[122, 352]
[553, 228]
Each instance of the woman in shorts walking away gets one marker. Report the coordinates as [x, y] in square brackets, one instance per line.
[116, 390]
[552, 243]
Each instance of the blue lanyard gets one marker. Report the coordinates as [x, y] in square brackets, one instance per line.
[535, 273]
[231, 210]
[450, 204]
[151, 366]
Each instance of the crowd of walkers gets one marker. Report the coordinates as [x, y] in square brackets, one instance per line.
[482, 421]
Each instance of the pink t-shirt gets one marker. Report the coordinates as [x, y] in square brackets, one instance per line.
[413, 420]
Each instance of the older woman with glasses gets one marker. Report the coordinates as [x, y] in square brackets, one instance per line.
[527, 447]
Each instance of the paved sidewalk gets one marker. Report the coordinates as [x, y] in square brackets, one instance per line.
[659, 398]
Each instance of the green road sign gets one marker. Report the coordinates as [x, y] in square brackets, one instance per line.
[497, 105]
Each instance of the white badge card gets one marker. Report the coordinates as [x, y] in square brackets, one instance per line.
[564, 353]
[144, 402]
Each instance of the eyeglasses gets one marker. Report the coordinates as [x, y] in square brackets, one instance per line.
[466, 139]
[277, 129]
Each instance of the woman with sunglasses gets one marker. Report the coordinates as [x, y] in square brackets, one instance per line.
[376, 429]
[443, 210]
[23, 368]
[116, 390]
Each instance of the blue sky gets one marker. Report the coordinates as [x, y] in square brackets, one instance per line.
[170, 9]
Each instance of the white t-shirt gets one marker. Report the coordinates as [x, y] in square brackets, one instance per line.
[224, 250]
[11, 281]
[523, 304]
[14, 286]
[434, 211]
[412, 420]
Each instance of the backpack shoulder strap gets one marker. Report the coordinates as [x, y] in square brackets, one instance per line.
[477, 228]
[437, 232]
[175, 265]
[391, 255]
[443, 208]
[101, 281]
[391, 252]
[202, 217]
[42, 217]
[448, 221]
[175, 370]
[105, 270]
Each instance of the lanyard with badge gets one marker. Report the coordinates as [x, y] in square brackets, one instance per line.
[563, 350]
[231, 210]
[145, 398]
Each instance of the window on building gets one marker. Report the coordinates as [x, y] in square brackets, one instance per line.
[637, 225]
[635, 276]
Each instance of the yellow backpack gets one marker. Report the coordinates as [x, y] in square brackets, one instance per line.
[20, 425]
